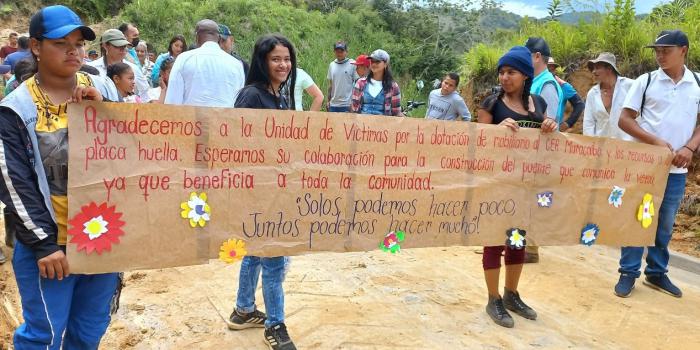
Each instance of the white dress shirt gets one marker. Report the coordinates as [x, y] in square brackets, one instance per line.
[670, 109]
[141, 81]
[206, 76]
[596, 119]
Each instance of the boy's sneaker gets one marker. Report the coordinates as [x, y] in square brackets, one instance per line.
[512, 302]
[238, 321]
[277, 338]
[664, 284]
[624, 286]
[498, 313]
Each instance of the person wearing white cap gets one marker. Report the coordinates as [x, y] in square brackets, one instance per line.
[604, 100]
[114, 50]
[377, 93]
[206, 76]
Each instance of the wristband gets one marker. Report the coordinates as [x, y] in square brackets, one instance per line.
[690, 149]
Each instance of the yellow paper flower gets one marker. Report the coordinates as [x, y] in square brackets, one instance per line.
[196, 209]
[232, 250]
[646, 211]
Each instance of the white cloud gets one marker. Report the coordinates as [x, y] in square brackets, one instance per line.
[525, 9]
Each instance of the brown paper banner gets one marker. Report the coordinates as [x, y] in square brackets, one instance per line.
[290, 183]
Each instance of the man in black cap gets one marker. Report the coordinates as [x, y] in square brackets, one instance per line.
[341, 78]
[544, 84]
[662, 108]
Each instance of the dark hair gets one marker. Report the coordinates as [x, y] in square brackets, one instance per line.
[176, 38]
[167, 64]
[258, 73]
[387, 80]
[124, 27]
[12, 34]
[23, 42]
[454, 76]
[24, 69]
[117, 69]
[525, 98]
[89, 69]
[149, 47]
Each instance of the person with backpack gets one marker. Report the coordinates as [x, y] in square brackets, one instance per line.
[662, 108]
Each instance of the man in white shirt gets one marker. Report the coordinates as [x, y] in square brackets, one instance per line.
[668, 104]
[604, 100]
[341, 79]
[206, 76]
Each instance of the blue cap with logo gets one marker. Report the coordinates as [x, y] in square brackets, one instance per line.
[670, 38]
[55, 22]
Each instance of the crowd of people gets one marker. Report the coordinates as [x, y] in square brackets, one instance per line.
[50, 67]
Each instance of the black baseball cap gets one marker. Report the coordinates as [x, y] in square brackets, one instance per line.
[55, 22]
[670, 38]
[537, 44]
[340, 45]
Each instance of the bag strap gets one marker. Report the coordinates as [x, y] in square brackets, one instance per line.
[644, 94]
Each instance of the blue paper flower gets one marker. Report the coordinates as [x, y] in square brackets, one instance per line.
[589, 234]
[544, 199]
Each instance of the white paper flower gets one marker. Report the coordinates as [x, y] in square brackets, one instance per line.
[544, 199]
[516, 238]
[196, 209]
[615, 198]
[589, 234]
[95, 227]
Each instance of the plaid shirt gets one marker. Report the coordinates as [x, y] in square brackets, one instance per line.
[392, 99]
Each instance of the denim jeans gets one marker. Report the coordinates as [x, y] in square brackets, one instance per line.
[657, 255]
[273, 272]
[341, 109]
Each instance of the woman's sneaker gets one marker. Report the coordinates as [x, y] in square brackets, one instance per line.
[512, 302]
[498, 312]
[238, 321]
[277, 338]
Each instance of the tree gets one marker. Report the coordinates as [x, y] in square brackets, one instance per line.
[554, 10]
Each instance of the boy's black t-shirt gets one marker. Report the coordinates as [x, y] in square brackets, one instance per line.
[253, 96]
[501, 112]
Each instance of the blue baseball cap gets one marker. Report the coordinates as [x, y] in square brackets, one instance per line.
[55, 22]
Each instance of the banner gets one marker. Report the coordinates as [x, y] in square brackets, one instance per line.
[153, 186]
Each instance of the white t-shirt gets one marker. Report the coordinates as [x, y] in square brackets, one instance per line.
[303, 82]
[670, 109]
[374, 87]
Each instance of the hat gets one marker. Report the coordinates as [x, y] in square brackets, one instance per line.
[380, 55]
[670, 38]
[537, 44]
[340, 45]
[92, 52]
[605, 57]
[224, 31]
[55, 22]
[206, 25]
[4, 68]
[551, 62]
[519, 58]
[114, 37]
[362, 60]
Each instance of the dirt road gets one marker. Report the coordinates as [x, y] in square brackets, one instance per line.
[419, 299]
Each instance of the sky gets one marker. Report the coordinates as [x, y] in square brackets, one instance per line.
[538, 9]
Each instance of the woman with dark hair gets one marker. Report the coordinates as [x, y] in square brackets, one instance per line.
[269, 85]
[512, 107]
[377, 93]
[158, 94]
[176, 46]
[61, 310]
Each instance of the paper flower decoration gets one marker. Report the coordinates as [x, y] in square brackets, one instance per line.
[544, 199]
[390, 243]
[516, 238]
[232, 250]
[589, 234]
[615, 198]
[196, 209]
[96, 228]
[646, 211]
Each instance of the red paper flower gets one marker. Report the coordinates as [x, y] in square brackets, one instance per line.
[96, 228]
